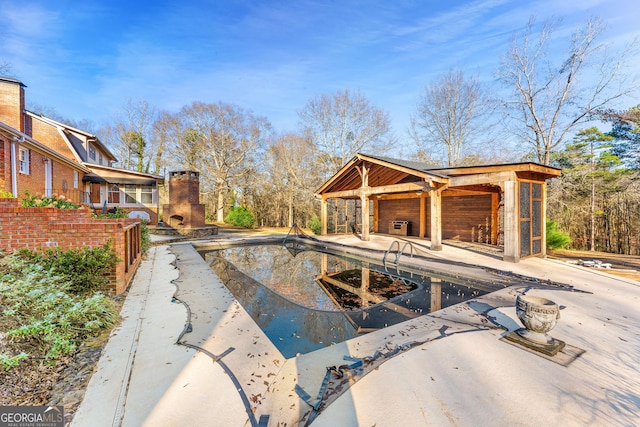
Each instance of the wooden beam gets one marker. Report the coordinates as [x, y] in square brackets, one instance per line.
[385, 189]
[482, 178]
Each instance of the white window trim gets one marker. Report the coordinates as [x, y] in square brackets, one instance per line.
[75, 179]
[24, 161]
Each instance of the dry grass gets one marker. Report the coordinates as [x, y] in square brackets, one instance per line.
[627, 266]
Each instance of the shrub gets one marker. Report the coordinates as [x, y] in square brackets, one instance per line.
[37, 201]
[556, 239]
[119, 213]
[241, 217]
[145, 240]
[85, 270]
[315, 224]
[5, 194]
[40, 317]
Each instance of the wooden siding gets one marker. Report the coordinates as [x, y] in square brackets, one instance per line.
[399, 210]
[465, 218]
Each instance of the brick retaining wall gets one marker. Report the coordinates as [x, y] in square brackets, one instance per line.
[40, 228]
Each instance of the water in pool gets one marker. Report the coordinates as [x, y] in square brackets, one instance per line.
[314, 299]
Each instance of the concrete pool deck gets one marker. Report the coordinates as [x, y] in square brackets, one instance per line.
[447, 368]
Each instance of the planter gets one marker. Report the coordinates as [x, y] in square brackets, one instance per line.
[539, 316]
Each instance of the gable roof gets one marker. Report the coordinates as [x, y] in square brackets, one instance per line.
[25, 140]
[64, 129]
[385, 171]
[410, 164]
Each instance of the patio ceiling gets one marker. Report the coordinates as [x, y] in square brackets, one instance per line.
[381, 174]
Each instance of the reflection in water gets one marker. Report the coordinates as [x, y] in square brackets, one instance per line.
[316, 299]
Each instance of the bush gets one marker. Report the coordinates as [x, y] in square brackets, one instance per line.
[40, 317]
[5, 194]
[556, 239]
[37, 201]
[315, 224]
[84, 270]
[241, 217]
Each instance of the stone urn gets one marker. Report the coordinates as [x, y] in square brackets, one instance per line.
[539, 316]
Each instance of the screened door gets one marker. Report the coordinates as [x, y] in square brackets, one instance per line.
[530, 218]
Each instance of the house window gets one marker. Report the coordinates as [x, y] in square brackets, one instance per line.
[130, 193]
[113, 194]
[146, 194]
[100, 159]
[75, 179]
[92, 152]
[24, 161]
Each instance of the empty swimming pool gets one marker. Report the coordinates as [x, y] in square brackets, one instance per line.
[306, 300]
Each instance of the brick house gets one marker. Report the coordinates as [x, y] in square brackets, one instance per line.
[27, 164]
[44, 157]
[88, 176]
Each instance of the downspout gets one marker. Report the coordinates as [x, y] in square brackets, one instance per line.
[14, 171]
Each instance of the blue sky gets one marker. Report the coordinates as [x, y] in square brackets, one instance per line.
[86, 58]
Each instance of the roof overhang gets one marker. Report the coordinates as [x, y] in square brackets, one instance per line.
[102, 174]
[27, 141]
[64, 129]
[382, 173]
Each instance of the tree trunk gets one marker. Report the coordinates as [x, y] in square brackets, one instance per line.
[220, 214]
[592, 216]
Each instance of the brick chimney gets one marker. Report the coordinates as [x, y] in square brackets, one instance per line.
[12, 103]
[184, 209]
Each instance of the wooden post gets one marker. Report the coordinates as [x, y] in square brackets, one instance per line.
[511, 221]
[436, 220]
[365, 216]
[495, 218]
[323, 216]
[376, 218]
[364, 174]
[544, 219]
[423, 216]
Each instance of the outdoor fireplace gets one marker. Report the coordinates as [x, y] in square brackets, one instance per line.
[184, 209]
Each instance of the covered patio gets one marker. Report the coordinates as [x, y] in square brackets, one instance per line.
[500, 205]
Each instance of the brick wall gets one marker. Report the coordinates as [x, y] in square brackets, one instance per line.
[5, 157]
[39, 228]
[50, 136]
[12, 103]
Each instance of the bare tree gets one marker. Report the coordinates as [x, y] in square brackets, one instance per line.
[343, 124]
[130, 135]
[449, 116]
[296, 171]
[227, 137]
[549, 99]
